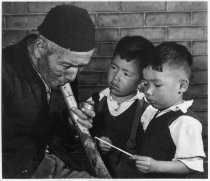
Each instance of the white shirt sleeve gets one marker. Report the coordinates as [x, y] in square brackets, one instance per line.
[195, 163]
[186, 133]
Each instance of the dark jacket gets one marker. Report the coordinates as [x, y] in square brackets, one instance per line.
[27, 118]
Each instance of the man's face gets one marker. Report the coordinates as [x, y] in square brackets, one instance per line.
[62, 65]
[162, 88]
[123, 77]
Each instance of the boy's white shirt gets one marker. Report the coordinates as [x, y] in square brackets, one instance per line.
[114, 108]
[186, 132]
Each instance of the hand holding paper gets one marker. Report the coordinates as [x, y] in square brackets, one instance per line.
[114, 146]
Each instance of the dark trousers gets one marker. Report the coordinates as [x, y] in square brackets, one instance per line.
[53, 167]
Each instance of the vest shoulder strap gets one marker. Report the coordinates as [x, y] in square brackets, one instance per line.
[98, 105]
[141, 106]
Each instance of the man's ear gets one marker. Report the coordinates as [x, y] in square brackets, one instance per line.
[40, 48]
[184, 84]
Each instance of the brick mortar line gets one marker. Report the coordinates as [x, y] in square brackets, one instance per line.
[109, 12]
[130, 28]
[23, 14]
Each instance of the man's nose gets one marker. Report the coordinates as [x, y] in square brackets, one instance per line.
[72, 73]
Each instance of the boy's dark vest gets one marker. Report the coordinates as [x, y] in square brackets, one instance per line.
[125, 132]
[157, 142]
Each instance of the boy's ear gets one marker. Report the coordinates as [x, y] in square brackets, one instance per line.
[184, 84]
[40, 48]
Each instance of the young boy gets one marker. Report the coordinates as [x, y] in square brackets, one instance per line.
[172, 144]
[120, 106]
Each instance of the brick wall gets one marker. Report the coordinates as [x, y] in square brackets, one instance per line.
[183, 22]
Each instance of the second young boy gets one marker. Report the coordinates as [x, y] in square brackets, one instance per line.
[119, 107]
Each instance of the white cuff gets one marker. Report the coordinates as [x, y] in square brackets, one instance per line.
[195, 163]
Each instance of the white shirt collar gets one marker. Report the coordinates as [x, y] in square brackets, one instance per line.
[183, 107]
[116, 109]
[150, 112]
[106, 92]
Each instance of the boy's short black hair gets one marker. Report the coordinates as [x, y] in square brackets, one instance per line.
[174, 54]
[134, 48]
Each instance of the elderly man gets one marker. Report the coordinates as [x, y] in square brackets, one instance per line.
[34, 115]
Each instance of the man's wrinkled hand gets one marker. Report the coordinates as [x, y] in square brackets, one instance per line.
[85, 117]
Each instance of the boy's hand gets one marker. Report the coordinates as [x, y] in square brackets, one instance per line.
[104, 147]
[145, 164]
